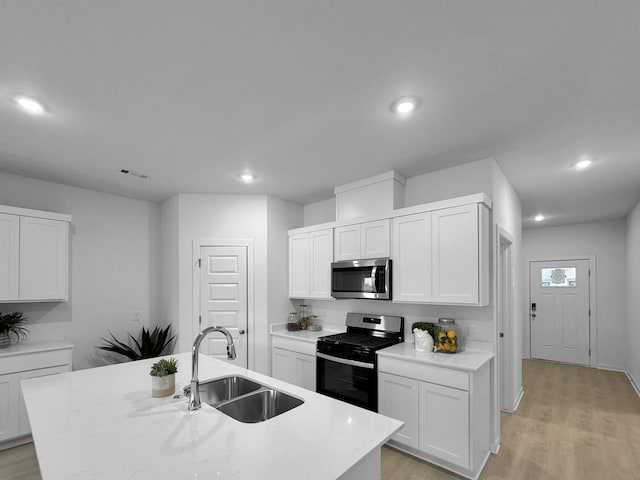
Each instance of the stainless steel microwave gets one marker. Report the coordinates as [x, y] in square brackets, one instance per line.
[369, 278]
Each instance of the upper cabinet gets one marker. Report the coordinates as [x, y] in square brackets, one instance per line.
[34, 253]
[362, 240]
[439, 252]
[310, 256]
[442, 256]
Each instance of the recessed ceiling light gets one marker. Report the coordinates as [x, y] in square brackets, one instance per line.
[405, 105]
[538, 218]
[583, 163]
[30, 104]
[247, 177]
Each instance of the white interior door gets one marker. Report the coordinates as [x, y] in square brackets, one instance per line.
[559, 310]
[223, 300]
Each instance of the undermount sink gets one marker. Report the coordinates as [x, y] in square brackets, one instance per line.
[218, 390]
[245, 400]
[260, 406]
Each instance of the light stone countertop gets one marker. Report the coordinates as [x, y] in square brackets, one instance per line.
[467, 360]
[27, 347]
[102, 423]
[280, 330]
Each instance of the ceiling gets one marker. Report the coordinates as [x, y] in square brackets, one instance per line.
[192, 93]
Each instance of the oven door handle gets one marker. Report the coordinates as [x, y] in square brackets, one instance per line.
[353, 363]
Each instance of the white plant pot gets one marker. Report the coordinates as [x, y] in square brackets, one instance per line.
[163, 386]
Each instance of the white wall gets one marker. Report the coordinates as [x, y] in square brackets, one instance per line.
[320, 212]
[507, 214]
[114, 269]
[606, 240]
[258, 218]
[466, 179]
[633, 295]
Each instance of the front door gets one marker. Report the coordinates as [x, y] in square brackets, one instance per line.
[559, 310]
[223, 300]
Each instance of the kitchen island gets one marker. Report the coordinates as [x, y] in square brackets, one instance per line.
[102, 423]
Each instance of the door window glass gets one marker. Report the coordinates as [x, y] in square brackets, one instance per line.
[558, 277]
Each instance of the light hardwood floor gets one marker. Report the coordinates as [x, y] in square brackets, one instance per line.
[574, 423]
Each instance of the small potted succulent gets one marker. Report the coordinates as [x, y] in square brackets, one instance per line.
[163, 377]
[12, 323]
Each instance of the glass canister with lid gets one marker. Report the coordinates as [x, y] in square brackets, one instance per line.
[447, 336]
[294, 322]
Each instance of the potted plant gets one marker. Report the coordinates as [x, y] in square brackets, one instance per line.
[423, 336]
[148, 345]
[163, 377]
[12, 323]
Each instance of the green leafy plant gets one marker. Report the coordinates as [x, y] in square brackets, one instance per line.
[429, 327]
[148, 345]
[164, 367]
[14, 323]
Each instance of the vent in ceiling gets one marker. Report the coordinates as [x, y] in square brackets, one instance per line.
[134, 173]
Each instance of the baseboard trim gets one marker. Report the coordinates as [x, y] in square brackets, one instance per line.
[518, 399]
[612, 368]
[16, 442]
[632, 381]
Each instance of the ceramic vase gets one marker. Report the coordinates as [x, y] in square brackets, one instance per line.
[163, 386]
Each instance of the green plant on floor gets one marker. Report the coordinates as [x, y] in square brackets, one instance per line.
[164, 367]
[430, 328]
[14, 323]
[147, 345]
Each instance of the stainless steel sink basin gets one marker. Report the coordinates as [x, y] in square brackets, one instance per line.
[219, 390]
[259, 406]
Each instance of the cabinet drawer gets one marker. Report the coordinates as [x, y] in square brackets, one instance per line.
[308, 348]
[34, 361]
[426, 373]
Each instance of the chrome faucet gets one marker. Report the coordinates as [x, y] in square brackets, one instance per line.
[194, 394]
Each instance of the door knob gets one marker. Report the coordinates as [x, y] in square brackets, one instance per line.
[241, 332]
[533, 315]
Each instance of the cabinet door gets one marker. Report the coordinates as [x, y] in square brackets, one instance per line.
[455, 255]
[282, 364]
[412, 258]
[43, 259]
[398, 398]
[374, 239]
[444, 423]
[347, 243]
[9, 398]
[299, 266]
[9, 256]
[321, 256]
[304, 371]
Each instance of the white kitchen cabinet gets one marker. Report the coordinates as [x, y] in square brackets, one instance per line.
[398, 398]
[362, 240]
[412, 255]
[20, 362]
[445, 410]
[442, 256]
[444, 423]
[295, 368]
[9, 256]
[310, 256]
[34, 250]
[294, 361]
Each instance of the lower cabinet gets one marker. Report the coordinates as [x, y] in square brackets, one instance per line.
[293, 360]
[14, 422]
[295, 368]
[445, 413]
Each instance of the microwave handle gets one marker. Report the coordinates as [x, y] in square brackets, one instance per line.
[374, 277]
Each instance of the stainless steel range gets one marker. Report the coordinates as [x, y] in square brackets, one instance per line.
[347, 362]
